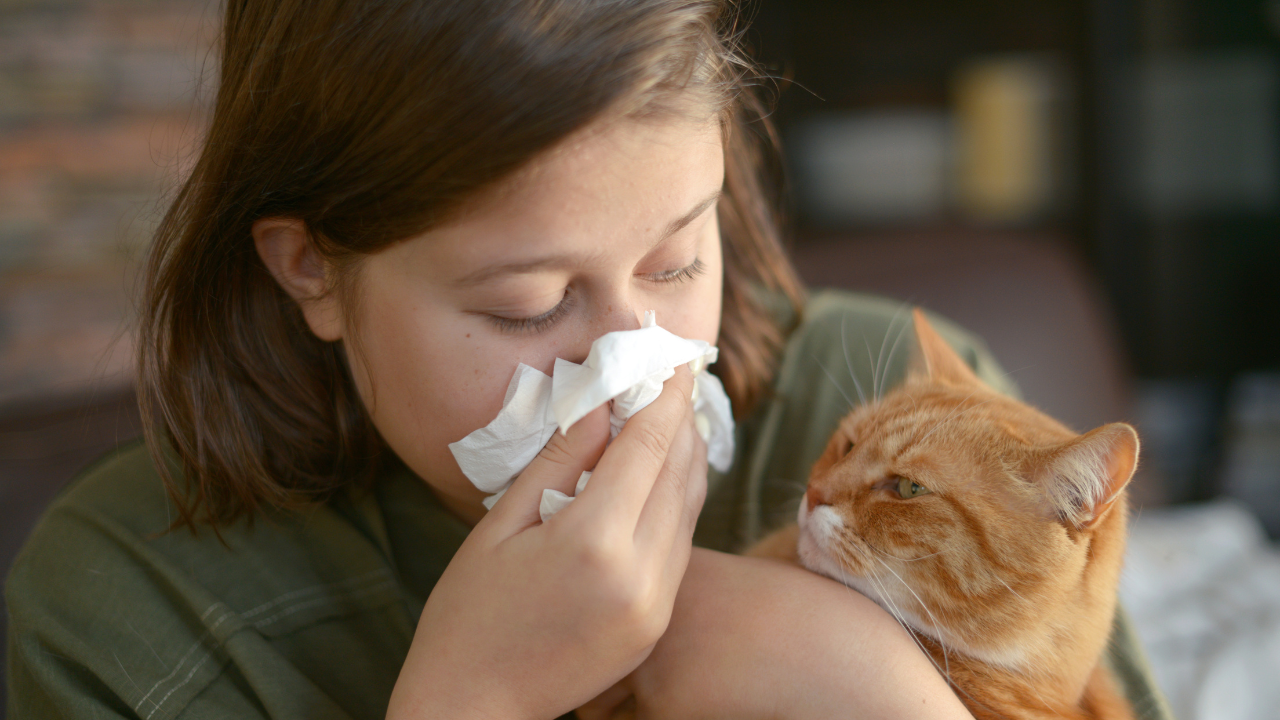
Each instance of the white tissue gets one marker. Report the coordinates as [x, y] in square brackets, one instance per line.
[495, 454]
[553, 501]
[625, 367]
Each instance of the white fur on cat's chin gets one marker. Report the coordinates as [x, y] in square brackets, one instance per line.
[817, 529]
[821, 526]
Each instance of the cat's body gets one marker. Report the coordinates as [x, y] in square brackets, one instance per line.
[991, 531]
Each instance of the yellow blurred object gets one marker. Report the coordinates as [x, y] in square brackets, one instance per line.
[1005, 164]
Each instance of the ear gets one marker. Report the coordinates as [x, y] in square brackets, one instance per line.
[935, 358]
[292, 259]
[1082, 479]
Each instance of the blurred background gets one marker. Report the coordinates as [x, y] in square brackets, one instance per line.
[1091, 185]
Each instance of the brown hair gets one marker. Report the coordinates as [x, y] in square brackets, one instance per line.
[371, 122]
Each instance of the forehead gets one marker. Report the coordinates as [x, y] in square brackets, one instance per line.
[928, 426]
[601, 188]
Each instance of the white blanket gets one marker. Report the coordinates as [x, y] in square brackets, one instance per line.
[1202, 584]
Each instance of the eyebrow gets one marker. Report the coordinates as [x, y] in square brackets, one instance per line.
[554, 261]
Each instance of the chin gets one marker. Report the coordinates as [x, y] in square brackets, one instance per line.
[819, 527]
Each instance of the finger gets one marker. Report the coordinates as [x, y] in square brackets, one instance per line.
[695, 491]
[557, 467]
[677, 560]
[633, 461]
[664, 509]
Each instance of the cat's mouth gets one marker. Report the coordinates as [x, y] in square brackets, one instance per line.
[821, 528]
[822, 534]
[824, 546]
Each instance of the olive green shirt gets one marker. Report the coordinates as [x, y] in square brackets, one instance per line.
[310, 615]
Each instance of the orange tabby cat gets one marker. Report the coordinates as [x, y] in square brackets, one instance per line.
[991, 531]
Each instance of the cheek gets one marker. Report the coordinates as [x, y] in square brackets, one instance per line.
[696, 313]
[424, 382]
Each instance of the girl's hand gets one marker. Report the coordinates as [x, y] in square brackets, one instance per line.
[756, 638]
[531, 620]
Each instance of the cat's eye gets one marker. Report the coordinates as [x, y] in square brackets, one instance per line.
[908, 489]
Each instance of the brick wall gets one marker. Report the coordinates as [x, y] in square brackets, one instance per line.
[100, 105]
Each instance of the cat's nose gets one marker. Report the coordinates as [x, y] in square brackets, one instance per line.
[815, 496]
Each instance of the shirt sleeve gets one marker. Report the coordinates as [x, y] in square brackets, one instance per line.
[111, 615]
[100, 626]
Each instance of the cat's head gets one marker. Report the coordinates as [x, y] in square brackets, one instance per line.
[976, 519]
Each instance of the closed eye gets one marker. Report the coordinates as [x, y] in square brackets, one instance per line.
[537, 323]
[541, 322]
[688, 272]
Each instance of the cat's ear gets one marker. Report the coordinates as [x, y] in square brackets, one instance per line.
[935, 358]
[1083, 478]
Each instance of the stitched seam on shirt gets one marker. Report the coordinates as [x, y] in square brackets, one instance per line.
[354, 581]
[354, 592]
[349, 595]
[182, 661]
[186, 680]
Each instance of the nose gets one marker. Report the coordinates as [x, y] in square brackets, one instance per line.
[612, 317]
[815, 496]
[622, 316]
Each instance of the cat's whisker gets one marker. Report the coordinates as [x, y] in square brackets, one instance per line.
[943, 670]
[883, 379]
[844, 346]
[1047, 706]
[914, 559]
[1015, 371]
[922, 557]
[793, 483]
[791, 486]
[875, 549]
[888, 361]
[875, 369]
[932, 618]
[892, 608]
[833, 382]
[1015, 592]
[889, 605]
[841, 556]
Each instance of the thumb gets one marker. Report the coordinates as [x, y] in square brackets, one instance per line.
[557, 467]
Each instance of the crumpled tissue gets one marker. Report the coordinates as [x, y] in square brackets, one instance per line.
[624, 368]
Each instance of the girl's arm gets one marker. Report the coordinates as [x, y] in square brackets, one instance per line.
[754, 638]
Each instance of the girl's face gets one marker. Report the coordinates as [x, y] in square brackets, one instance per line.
[616, 220]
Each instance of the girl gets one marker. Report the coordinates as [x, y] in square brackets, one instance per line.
[396, 203]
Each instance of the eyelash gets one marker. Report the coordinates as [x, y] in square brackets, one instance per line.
[689, 272]
[541, 322]
[536, 323]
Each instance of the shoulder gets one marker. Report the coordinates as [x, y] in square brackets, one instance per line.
[117, 501]
[103, 590]
[122, 484]
[871, 334]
